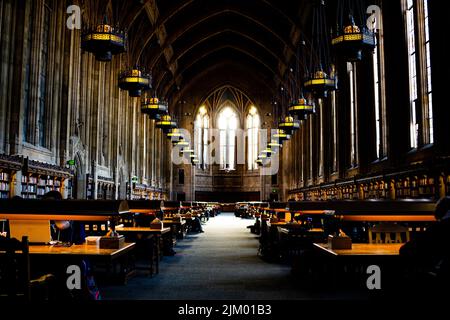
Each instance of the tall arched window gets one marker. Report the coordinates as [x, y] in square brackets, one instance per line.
[228, 124]
[379, 90]
[253, 124]
[201, 136]
[351, 70]
[421, 93]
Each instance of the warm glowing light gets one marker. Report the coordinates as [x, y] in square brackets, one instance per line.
[202, 110]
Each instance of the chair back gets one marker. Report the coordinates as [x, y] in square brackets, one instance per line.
[389, 233]
[14, 268]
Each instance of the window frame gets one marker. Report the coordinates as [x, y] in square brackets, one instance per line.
[227, 139]
[353, 116]
[253, 125]
[421, 108]
[378, 64]
[201, 133]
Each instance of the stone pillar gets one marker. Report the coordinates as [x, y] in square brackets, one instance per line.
[16, 184]
[94, 178]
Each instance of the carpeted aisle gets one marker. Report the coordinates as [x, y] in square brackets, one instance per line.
[221, 263]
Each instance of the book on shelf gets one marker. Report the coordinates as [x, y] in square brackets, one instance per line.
[4, 186]
[29, 180]
[4, 177]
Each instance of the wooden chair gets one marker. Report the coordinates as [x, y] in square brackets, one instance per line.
[384, 231]
[15, 282]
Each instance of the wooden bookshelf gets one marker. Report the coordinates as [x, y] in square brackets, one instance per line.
[36, 186]
[29, 186]
[5, 185]
[139, 192]
[46, 184]
[426, 187]
[414, 186]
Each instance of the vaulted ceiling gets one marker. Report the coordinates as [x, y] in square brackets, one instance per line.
[182, 40]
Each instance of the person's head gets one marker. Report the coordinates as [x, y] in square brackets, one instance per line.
[52, 195]
[442, 208]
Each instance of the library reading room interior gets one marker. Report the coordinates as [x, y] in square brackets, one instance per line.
[223, 149]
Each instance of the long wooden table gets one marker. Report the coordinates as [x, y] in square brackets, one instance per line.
[179, 227]
[143, 229]
[50, 256]
[350, 265]
[80, 250]
[162, 242]
[361, 250]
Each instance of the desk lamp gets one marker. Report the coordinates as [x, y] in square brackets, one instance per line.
[61, 226]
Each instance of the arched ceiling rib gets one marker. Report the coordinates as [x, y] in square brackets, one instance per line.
[178, 39]
[209, 16]
[220, 53]
[253, 41]
[237, 74]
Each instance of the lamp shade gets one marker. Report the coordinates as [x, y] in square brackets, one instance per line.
[351, 40]
[181, 143]
[134, 81]
[104, 41]
[281, 135]
[274, 145]
[267, 151]
[289, 124]
[320, 83]
[175, 135]
[154, 107]
[301, 108]
[166, 123]
[187, 150]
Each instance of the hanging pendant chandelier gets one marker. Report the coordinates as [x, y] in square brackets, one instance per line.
[274, 145]
[267, 151]
[194, 159]
[320, 83]
[166, 123]
[154, 107]
[175, 135]
[134, 81]
[263, 156]
[301, 107]
[298, 104]
[352, 38]
[187, 150]
[289, 124]
[262, 159]
[320, 76]
[104, 41]
[181, 143]
[281, 135]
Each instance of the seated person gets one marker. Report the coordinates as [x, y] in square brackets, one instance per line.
[65, 231]
[73, 232]
[429, 252]
[196, 224]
